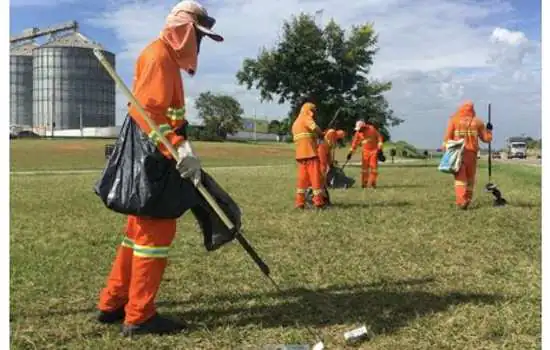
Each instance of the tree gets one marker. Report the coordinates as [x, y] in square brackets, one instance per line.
[274, 127]
[222, 114]
[326, 66]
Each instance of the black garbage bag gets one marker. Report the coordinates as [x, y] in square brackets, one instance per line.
[214, 231]
[139, 180]
[336, 178]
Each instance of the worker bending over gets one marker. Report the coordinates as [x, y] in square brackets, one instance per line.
[325, 150]
[368, 136]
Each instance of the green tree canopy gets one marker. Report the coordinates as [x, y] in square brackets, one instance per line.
[326, 66]
[222, 114]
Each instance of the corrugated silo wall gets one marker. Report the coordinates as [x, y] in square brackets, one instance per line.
[21, 85]
[69, 81]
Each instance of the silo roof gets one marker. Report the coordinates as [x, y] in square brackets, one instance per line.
[74, 39]
[23, 49]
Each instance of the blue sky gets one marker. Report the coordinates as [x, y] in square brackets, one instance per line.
[437, 52]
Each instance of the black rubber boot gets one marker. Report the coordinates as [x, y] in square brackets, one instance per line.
[157, 325]
[108, 317]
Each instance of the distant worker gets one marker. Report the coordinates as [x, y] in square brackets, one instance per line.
[325, 150]
[466, 125]
[372, 141]
[306, 133]
[141, 259]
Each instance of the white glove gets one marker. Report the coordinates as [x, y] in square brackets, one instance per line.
[188, 165]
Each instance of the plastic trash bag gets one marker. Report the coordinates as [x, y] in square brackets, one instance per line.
[214, 231]
[452, 158]
[138, 180]
[336, 178]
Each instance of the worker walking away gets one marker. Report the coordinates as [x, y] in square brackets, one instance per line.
[141, 259]
[325, 150]
[466, 125]
[371, 140]
[305, 134]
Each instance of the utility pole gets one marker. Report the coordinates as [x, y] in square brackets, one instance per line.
[53, 105]
[81, 123]
[255, 124]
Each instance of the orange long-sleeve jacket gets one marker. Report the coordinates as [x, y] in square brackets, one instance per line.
[325, 148]
[158, 87]
[466, 125]
[369, 138]
[305, 133]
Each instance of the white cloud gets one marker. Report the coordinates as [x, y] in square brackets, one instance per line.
[436, 52]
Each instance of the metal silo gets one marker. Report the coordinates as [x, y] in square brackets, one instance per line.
[21, 85]
[71, 88]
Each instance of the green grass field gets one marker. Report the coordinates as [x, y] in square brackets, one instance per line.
[399, 259]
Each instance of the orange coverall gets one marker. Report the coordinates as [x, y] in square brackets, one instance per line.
[465, 125]
[141, 259]
[325, 150]
[372, 142]
[305, 133]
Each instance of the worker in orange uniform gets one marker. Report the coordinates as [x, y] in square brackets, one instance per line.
[141, 259]
[325, 150]
[306, 133]
[372, 141]
[466, 125]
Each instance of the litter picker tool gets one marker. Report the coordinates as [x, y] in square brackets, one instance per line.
[199, 186]
[490, 186]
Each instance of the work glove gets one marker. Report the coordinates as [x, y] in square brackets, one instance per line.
[381, 156]
[489, 126]
[189, 165]
[348, 157]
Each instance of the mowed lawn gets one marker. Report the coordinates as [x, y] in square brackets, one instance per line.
[400, 259]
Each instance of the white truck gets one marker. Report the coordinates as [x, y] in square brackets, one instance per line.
[517, 148]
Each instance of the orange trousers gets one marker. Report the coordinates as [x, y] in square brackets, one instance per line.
[309, 175]
[138, 268]
[369, 168]
[465, 179]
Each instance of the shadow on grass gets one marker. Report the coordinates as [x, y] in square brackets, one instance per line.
[381, 307]
[393, 204]
[400, 186]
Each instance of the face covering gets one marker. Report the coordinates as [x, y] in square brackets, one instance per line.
[181, 35]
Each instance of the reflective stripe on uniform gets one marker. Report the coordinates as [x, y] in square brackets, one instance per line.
[460, 183]
[127, 242]
[145, 251]
[300, 190]
[317, 192]
[303, 135]
[176, 114]
[312, 125]
[164, 129]
[465, 133]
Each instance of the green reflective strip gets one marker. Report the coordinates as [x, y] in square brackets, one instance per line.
[151, 251]
[127, 242]
[165, 129]
[300, 190]
[155, 137]
[176, 113]
[460, 183]
[317, 192]
[312, 125]
[303, 135]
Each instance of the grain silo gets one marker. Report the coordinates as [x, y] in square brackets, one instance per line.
[71, 89]
[21, 85]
